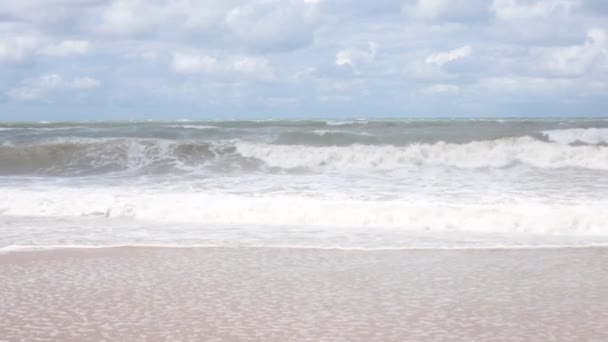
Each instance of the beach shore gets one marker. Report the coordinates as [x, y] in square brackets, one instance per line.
[282, 294]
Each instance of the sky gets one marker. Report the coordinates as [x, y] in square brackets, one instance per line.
[231, 59]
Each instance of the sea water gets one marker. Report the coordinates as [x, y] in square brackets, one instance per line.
[369, 184]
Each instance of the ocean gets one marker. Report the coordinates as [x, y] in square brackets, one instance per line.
[348, 184]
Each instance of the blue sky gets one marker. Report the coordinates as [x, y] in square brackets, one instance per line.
[161, 59]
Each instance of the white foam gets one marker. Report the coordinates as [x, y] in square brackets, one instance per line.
[39, 128]
[201, 127]
[478, 154]
[593, 136]
[346, 122]
[508, 216]
[322, 132]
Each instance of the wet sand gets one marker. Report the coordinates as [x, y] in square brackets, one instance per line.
[235, 294]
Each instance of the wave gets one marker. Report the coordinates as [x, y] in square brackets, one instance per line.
[98, 156]
[474, 155]
[591, 136]
[202, 127]
[346, 122]
[325, 137]
[166, 206]
[44, 129]
[324, 132]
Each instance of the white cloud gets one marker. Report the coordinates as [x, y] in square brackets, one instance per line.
[304, 74]
[511, 10]
[442, 89]
[273, 25]
[307, 48]
[355, 56]
[449, 56]
[68, 47]
[427, 9]
[48, 14]
[279, 101]
[85, 83]
[579, 59]
[254, 66]
[133, 17]
[188, 63]
[538, 86]
[17, 48]
[33, 89]
[445, 10]
[249, 66]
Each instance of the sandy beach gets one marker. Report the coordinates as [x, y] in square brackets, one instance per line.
[235, 294]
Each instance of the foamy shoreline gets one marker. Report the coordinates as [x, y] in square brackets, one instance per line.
[150, 293]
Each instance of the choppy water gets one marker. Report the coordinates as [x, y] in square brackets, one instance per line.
[350, 184]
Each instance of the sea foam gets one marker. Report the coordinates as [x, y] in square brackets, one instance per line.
[592, 136]
[515, 216]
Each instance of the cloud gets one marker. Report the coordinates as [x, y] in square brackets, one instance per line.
[255, 67]
[351, 9]
[50, 15]
[428, 9]
[446, 10]
[534, 22]
[515, 10]
[273, 25]
[137, 18]
[188, 63]
[68, 47]
[258, 67]
[357, 56]
[530, 85]
[579, 59]
[130, 17]
[304, 75]
[17, 48]
[34, 89]
[326, 56]
[442, 58]
[442, 89]
[84, 83]
[260, 25]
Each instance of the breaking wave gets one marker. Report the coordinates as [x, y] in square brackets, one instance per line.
[346, 122]
[590, 136]
[478, 154]
[98, 156]
[114, 155]
[326, 137]
[201, 127]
